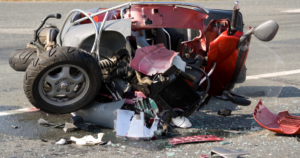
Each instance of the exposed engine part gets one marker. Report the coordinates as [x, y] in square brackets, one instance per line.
[108, 63]
[144, 80]
[47, 36]
[113, 91]
[122, 86]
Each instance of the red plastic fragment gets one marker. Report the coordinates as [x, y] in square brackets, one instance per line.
[152, 59]
[192, 139]
[283, 123]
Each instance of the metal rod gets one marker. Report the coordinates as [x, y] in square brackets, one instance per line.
[101, 12]
[209, 73]
[170, 47]
[87, 17]
[99, 37]
[122, 11]
[189, 34]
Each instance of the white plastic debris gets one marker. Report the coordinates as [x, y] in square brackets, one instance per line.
[88, 140]
[123, 121]
[181, 122]
[138, 129]
[62, 141]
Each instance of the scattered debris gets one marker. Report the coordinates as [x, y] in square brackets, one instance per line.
[235, 132]
[181, 122]
[88, 140]
[138, 129]
[123, 121]
[228, 153]
[224, 143]
[283, 123]
[14, 127]
[43, 122]
[69, 127]
[192, 139]
[61, 141]
[255, 129]
[44, 140]
[203, 156]
[108, 143]
[170, 154]
[224, 112]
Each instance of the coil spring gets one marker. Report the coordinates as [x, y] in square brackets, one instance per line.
[107, 63]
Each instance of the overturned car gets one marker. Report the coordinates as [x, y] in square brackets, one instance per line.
[177, 55]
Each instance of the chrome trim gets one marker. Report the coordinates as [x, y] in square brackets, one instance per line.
[170, 46]
[87, 17]
[236, 5]
[209, 73]
[189, 34]
[99, 37]
[172, 3]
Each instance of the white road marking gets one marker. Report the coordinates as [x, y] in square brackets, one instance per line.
[292, 11]
[273, 74]
[18, 111]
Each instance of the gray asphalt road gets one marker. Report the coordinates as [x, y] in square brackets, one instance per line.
[18, 20]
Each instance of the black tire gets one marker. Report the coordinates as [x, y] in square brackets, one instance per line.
[21, 58]
[42, 64]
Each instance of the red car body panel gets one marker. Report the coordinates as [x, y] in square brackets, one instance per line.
[165, 17]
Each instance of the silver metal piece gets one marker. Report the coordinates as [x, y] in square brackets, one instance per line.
[87, 17]
[236, 5]
[101, 12]
[122, 11]
[64, 85]
[62, 93]
[170, 46]
[172, 3]
[218, 25]
[189, 34]
[99, 37]
[209, 73]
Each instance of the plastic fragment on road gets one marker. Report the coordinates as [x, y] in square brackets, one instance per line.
[152, 59]
[100, 113]
[203, 156]
[224, 143]
[283, 123]
[224, 112]
[192, 139]
[88, 140]
[235, 132]
[122, 122]
[138, 129]
[228, 153]
[14, 127]
[181, 121]
[43, 122]
[61, 141]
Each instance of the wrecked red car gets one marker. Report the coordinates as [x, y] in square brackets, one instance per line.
[175, 55]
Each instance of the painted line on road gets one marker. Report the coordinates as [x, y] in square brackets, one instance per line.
[273, 74]
[18, 111]
[292, 11]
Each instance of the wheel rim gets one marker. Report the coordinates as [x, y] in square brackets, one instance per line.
[64, 85]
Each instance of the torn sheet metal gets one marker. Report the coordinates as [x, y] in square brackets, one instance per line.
[193, 139]
[122, 121]
[88, 140]
[138, 129]
[283, 123]
[228, 153]
[152, 59]
[100, 113]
